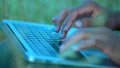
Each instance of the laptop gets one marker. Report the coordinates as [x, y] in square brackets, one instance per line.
[38, 43]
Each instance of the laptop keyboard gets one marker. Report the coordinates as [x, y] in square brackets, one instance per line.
[42, 40]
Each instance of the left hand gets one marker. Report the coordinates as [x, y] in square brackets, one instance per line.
[88, 14]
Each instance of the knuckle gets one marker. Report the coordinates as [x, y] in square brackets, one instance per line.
[103, 29]
[65, 10]
[74, 13]
[82, 33]
[94, 41]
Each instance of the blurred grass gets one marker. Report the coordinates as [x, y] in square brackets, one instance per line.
[33, 10]
[41, 10]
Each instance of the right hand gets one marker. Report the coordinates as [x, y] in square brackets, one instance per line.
[101, 38]
[89, 13]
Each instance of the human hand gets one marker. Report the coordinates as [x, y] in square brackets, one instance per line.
[88, 13]
[99, 37]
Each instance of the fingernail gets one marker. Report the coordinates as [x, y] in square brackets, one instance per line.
[56, 28]
[63, 35]
[62, 47]
[75, 48]
[66, 28]
[78, 24]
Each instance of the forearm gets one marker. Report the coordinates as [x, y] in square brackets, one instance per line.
[113, 21]
[114, 52]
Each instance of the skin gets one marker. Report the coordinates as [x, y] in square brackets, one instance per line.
[92, 15]
[89, 13]
[99, 37]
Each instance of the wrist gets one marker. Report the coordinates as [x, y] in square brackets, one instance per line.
[113, 20]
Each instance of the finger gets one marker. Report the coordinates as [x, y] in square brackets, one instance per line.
[57, 27]
[83, 14]
[61, 15]
[78, 24]
[54, 19]
[89, 43]
[74, 38]
[77, 36]
[85, 11]
[70, 20]
[63, 35]
[86, 22]
[68, 23]
[59, 18]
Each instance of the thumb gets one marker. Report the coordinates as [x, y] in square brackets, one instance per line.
[84, 22]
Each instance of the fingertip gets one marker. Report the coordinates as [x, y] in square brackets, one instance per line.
[54, 19]
[57, 28]
[61, 47]
[66, 28]
[75, 49]
[63, 35]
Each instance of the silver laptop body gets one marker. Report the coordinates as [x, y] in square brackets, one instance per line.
[33, 42]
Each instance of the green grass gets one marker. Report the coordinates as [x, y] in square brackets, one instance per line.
[34, 10]
[41, 10]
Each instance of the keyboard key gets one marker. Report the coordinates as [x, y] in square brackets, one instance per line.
[41, 40]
